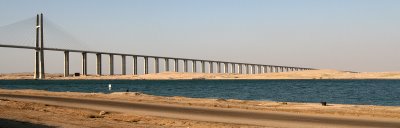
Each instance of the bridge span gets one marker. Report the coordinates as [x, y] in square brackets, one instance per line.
[221, 66]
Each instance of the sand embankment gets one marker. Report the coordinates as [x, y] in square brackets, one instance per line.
[68, 117]
[311, 74]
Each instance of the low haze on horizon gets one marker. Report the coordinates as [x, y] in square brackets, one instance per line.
[356, 35]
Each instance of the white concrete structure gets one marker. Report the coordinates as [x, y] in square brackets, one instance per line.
[66, 63]
[98, 64]
[146, 65]
[84, 63]
[111, 60]
[156, 65]
[123, 64]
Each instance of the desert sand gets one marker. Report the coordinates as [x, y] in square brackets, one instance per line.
[50, 115]
[310, 74]
[21, 113]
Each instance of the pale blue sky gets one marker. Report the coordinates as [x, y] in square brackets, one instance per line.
[358, 35]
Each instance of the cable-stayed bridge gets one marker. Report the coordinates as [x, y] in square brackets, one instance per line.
[214, 66]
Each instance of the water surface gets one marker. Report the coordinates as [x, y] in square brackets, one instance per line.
[370, 92]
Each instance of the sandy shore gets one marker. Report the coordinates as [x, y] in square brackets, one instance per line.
[311, 74]
[24, 114]
[50, 115]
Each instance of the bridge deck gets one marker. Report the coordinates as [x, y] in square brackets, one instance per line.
[124, 54]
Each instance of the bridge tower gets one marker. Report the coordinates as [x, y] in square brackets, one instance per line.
[39, 51]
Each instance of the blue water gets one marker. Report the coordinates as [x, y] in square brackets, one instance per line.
[370, 92]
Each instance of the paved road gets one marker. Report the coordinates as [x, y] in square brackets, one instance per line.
[273, 119]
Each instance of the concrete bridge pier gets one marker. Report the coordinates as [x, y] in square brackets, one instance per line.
[259, 69]
[211, 67]
[253, 69]
[219, 67]
[135, 65]
[156, 65]
[166, 64]
[66, 63]
[123, 64]
[84, 63]
[203, 67]
[233, 68]
[111, 64]
[271, 69]
[98, 64]
[226, 68]
[247, 69]
[230, 69]
[265, 69]
[250, 69]
[240, 68]
[185, 66]
[222, 67]
[146, 65]
[176, 65]
[194, 66]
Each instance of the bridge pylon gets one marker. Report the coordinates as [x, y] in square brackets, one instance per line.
[39, 51]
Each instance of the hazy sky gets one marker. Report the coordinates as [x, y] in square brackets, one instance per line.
[357, 35]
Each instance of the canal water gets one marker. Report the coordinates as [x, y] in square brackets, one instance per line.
[367, 92]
